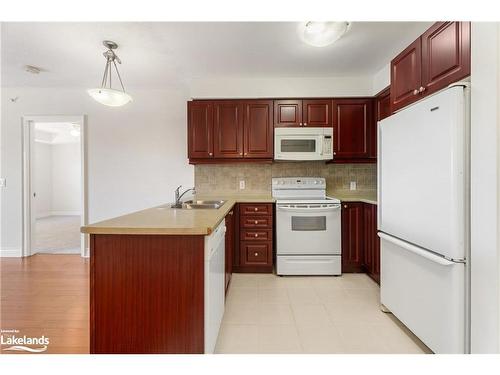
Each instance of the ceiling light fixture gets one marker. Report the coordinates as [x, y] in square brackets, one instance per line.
[322, 34]
[106, 94]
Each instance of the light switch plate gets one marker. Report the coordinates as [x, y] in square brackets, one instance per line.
[352, 185]
[242, 184]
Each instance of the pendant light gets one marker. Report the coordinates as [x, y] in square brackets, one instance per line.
[106, 94]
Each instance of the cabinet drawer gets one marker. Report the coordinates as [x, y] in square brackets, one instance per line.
[256, 235]
[256, 221]
[256, 253]
[256, 209]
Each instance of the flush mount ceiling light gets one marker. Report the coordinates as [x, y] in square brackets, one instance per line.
[106, 94]
[321, 34]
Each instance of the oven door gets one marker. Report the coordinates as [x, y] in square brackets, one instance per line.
[308, 229]
[298, 147]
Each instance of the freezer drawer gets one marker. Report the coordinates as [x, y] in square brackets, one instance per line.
[426, 292]
[309, 265]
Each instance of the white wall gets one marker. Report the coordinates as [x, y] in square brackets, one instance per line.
[66, 176]
[485, 221]
[43, 179]
[279, 87]
[381, 79]
[136, 154]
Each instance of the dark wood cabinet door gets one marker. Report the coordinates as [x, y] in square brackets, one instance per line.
[258, 129]
[228, 129]
[352, 237]
[406, 78]
[445, 55]
[383, 104]
[352, 124]
[317, 112]
[287, 113]
[229, 247]
[256, 253]
[200, 130]
[368, 224]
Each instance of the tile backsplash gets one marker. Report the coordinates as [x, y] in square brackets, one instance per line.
[225, 178]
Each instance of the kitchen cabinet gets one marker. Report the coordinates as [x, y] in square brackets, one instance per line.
[306, 112]
[436, 59]
[229, 250]
[258, 129]
[200, 130]
[353, 129]
[383, 104]
[371, 256]
[352, 237]
[254, 249]
[445, 55]
[230, 131]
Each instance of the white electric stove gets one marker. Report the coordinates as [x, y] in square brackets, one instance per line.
[308, 223]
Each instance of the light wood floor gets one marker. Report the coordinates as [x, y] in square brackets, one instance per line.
[47, 294]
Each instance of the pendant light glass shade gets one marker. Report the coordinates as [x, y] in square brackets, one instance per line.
[110, 97]
[106, 94]
[322, 34]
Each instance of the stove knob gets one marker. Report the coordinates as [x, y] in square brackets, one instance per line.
[315, 181]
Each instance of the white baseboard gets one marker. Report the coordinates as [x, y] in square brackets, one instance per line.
[65, 213]
[11, 253]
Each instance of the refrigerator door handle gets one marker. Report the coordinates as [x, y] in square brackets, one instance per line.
[416, 250]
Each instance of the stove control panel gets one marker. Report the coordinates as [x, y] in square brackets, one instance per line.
[299, 182]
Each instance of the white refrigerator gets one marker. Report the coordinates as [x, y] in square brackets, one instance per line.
[423, 216]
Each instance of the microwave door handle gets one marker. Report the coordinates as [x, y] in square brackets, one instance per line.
[321, 144]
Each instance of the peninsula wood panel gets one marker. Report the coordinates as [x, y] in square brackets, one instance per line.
[352, 237]
[147, 294]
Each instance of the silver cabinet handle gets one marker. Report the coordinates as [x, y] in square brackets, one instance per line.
[256, 209]
[256, 254]
[345, 205]
[256, 235]
[421, 89]
[305, 123]
[246, 153]
[241, 153]
[300, 124]
[256, 222]
[210, 154]
[415, 92]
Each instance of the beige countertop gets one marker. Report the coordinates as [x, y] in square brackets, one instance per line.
[172, 221]
[368, 196]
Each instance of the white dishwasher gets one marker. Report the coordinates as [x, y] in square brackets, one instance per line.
[214, 285]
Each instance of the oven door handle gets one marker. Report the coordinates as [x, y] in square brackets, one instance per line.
[309, 209]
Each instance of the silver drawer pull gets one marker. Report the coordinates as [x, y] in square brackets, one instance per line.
[256, 254]
[256, 235]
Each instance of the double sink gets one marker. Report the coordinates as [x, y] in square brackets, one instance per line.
[202, 204]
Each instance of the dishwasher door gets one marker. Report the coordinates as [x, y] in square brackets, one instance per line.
[214, 285]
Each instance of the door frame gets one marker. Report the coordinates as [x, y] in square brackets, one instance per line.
[27, 131]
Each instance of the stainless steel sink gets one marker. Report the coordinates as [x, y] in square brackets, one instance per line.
[200, 204]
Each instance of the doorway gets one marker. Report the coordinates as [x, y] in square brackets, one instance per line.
[55, 185]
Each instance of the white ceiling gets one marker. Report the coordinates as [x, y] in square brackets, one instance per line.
[163, 53]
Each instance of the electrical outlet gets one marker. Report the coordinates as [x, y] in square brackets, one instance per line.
[3, 182]
[242, 184]
[352, 185]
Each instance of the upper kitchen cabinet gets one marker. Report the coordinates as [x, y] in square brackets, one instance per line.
[445, 54]
[438, 58]
[406, 75]
[307, 112]
[228, 129]
[288, 113]
[200, 130]
[353, 130]
[223, 131]
[258, 129]
[383, 104]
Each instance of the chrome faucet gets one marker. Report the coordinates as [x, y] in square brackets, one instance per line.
[177, 203]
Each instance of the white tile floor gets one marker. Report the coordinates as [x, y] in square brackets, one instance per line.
[270, 314]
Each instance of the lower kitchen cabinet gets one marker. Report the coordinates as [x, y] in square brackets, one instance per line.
[360, 243]
[254, 238]
[230, 242]
[352, 237]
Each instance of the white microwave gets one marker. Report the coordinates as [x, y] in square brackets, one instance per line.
[303, 143]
